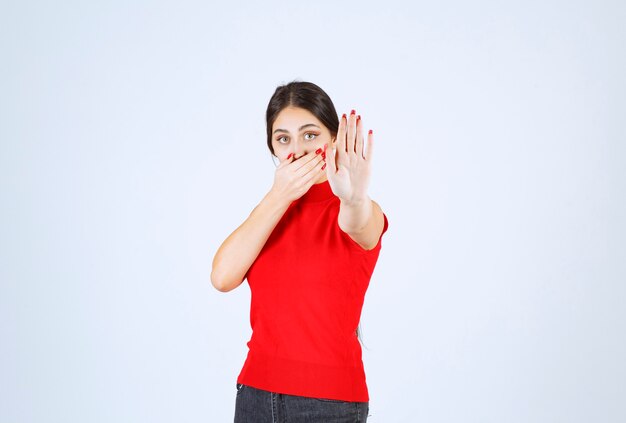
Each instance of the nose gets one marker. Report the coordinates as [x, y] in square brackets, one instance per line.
[299, 150]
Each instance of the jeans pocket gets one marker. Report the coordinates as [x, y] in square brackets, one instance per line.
[331, 400]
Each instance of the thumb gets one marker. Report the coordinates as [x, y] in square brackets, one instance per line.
[331, 158]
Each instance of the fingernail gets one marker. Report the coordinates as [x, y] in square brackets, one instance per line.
[358, 118]
[353, 112]
[324, 166]
[343, 116]
[371, 131]
[289, 156]
[318, 151]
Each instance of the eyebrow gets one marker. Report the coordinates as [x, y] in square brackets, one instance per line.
[299, 129]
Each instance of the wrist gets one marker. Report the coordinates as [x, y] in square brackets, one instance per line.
[276, 199]
[354, 202]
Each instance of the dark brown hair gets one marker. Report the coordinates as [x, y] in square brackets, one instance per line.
[305, 95]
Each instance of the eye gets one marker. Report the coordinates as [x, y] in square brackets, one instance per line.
[309, 133]
[280, 139]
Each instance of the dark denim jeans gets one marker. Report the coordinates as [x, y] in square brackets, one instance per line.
[255, 405]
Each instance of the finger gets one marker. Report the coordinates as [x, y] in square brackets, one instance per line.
[306, 168]
[306, 158]
[359, 138]
[314, 172]
[341, 134]
[370, 145]
[331, 159]
[312, 176]
[286, 160]
[351, 132]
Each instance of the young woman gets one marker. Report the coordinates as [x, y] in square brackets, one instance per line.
[308, 251]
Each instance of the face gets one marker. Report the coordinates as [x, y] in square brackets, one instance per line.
[298, 131]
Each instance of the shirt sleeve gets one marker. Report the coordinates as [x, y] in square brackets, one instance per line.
[360, 249]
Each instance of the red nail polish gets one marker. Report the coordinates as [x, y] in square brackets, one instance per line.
[289, 156]
[318, 151]
[358, 118]
[371, 131]
[353, 112]
[343, 116]
[324, 166]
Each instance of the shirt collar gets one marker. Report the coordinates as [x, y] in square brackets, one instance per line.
[317, 193]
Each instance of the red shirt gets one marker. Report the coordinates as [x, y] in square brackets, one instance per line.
[307, 289]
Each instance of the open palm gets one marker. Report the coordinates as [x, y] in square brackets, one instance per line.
[348, 169]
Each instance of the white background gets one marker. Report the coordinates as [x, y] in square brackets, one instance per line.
[133, 143]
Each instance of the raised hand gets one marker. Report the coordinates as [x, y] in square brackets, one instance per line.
[348, 169]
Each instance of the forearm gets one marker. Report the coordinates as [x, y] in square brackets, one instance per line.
[241, 248]
[354, 216]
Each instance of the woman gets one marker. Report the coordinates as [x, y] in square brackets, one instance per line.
[308, 250]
